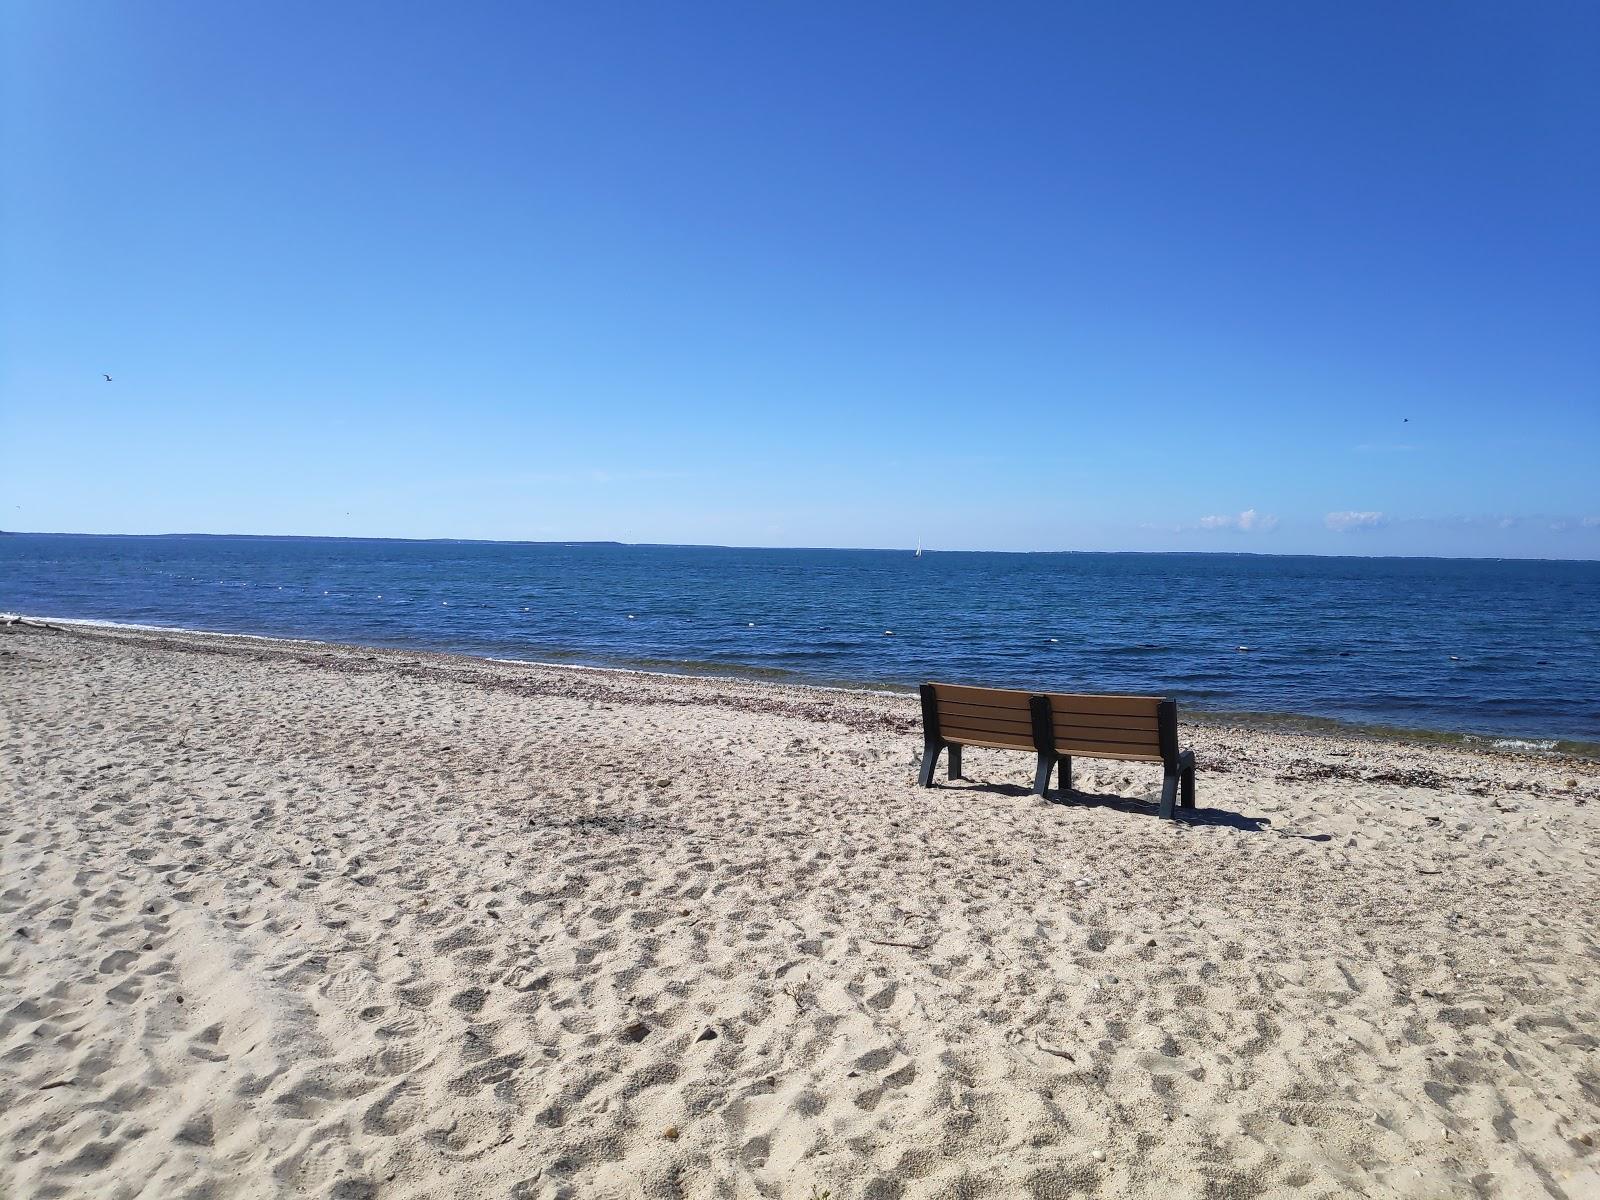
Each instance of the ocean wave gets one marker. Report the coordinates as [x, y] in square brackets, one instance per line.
[187, 631]
[1537, 744]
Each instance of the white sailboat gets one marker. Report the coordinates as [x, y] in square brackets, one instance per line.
[918, 554]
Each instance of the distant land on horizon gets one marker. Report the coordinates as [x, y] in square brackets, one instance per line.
[927, 550]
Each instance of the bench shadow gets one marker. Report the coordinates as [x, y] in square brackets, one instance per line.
[1219, 818]
[999, 789]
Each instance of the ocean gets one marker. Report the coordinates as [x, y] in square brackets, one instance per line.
[1500, 649]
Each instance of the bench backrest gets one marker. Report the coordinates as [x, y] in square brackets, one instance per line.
[978, 716]
[1137, 728]
[1141, 728]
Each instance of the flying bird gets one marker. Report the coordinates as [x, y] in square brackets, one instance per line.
[108, 378]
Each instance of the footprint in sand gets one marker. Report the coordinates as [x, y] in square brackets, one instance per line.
[349, 989]
[117, 960]
[397, 1058]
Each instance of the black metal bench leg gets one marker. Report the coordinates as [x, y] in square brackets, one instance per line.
[1169, 794]
[1066, 775]
[955, 763]
[1041, 775]
[930, 759]
[1186, 772]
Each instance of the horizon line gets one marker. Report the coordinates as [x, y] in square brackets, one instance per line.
[340, 537]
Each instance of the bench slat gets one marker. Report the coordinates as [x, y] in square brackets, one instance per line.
[994, 741]
[1010, 712]
[972, 712]
[1109, 706]
[1002, 737]
[1144, 741]
[1014, 740]
[1105, 721]
[996, 697]
[1010, 720]
[1093, 749]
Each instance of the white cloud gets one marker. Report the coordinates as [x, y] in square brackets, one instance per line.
[1249, 521]
[1342, 522]
[1591, 522]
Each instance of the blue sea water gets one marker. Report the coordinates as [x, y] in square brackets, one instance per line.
[1499, 648]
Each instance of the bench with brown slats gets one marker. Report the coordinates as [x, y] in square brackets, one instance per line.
[1057, 727]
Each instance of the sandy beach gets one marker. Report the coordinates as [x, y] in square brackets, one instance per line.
[285, 919]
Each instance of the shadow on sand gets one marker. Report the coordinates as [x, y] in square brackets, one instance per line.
[1219, 818]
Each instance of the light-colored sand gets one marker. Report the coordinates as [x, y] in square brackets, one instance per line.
[279, 919]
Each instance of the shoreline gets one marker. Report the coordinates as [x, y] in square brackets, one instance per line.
[1553, 747]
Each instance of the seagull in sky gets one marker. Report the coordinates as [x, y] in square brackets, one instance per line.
[108, 378]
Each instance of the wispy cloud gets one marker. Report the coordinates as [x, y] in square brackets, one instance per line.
[1344, 522]
[1252, 522]
[1249, 521]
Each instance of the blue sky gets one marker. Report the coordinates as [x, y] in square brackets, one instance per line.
[1281, 278]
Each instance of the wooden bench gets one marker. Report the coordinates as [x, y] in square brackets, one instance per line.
[953, 717]
[1057, 727]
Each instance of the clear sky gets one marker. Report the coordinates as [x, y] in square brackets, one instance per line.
[1270, 277]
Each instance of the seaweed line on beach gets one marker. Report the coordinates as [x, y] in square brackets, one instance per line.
[1289, 756]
